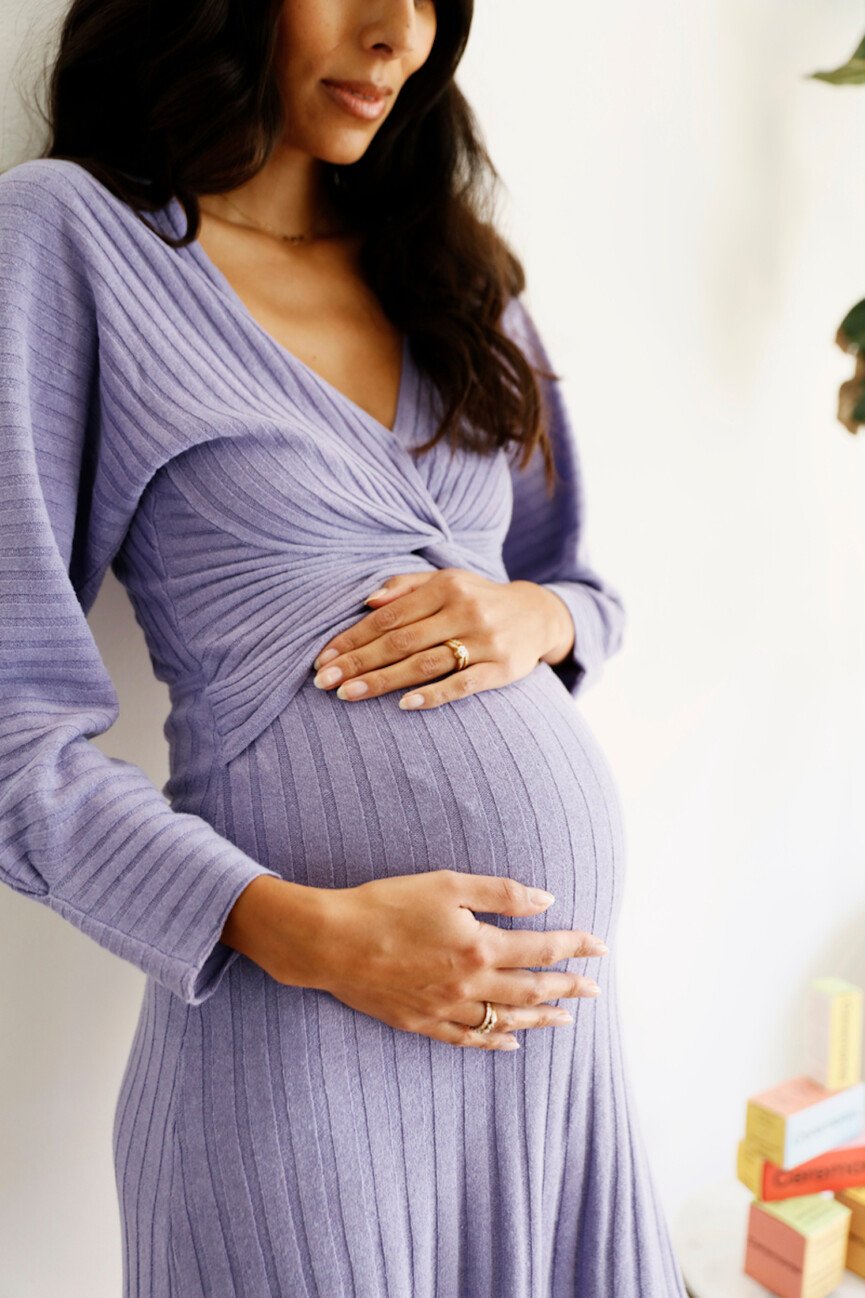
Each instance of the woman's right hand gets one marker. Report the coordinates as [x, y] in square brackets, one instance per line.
[409, 951]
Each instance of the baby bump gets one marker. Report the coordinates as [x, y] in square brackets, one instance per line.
[509, 781]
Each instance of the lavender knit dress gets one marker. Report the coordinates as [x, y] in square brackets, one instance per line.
[270, 1141]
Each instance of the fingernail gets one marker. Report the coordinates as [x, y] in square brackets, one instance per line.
[592, 989]
[540, 898]
[600, 948]
[329, 676]
[375, 594]
[510, 1045]
[562, 1016]
[325, 657]
[411, 701]
[352, 690]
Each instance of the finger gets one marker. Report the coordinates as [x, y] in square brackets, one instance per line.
[458, 685]
[525, 948]
[501, 894]
[434, 660]
[525, 989]
[399, 584]
[412, 606]
[511, 1018]
[392, 649]
[497, 894]
[460, 1034]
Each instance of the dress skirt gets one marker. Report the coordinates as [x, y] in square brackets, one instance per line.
[274, 1141]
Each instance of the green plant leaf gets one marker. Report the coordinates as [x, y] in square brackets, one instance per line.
[852, 328]
[851, 73]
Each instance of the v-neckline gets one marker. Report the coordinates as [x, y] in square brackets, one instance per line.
[224, 284]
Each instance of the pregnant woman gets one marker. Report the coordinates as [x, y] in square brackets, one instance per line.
[263, 356]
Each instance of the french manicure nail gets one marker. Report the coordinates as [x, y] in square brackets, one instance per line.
[600, 948]
[411, 701]
[329, 676]
[352, 690]
[541, 898]
[325, 657]
[375, 594]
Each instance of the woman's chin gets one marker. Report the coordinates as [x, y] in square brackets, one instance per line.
[340, 143]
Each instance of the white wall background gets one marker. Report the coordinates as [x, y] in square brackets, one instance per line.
[690, 210]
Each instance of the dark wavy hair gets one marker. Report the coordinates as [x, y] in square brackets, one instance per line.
[160, 100]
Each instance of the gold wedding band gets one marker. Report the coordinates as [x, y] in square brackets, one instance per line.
[489, 1021]
[459, 652]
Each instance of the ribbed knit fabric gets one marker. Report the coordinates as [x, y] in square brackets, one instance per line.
[269, 1140]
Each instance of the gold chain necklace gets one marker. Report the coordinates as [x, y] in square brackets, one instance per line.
[288, 238]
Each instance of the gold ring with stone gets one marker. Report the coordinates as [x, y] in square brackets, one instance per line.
[459, 652]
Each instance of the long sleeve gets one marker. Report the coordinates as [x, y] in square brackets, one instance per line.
[85, 834]
[545, 540]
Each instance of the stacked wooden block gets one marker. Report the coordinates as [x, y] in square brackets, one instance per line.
[803, 1156]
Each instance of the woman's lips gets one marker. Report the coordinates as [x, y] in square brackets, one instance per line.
[367, 105]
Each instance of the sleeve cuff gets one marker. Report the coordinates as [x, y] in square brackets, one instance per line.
[197, 961]
[589, 649]
[201, 979]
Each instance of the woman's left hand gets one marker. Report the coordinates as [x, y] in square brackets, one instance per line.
[507, 628]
